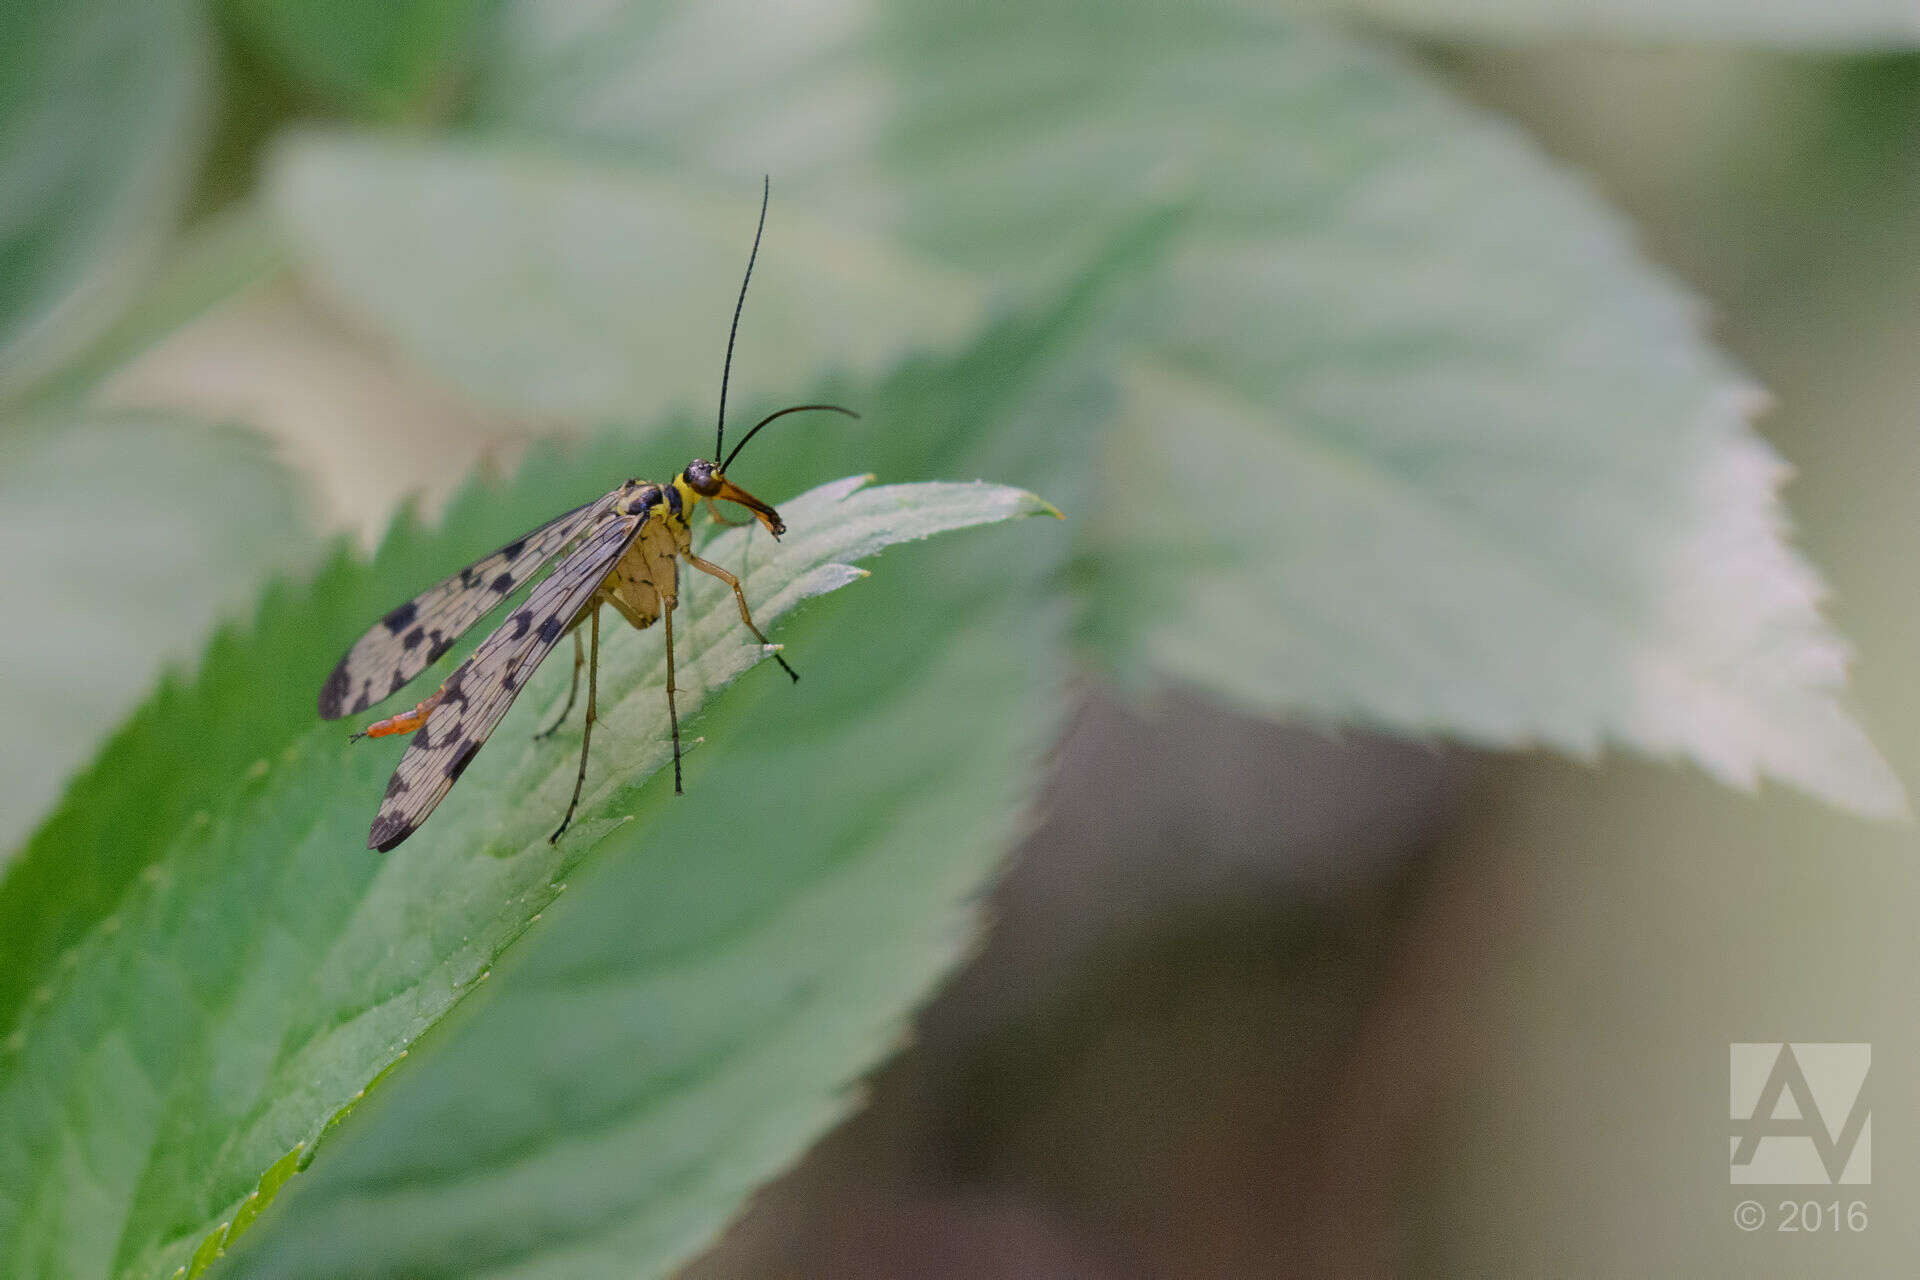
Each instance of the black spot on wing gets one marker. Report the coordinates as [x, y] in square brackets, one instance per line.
[502, 584]
[458, 765]
[513, 549]
[439, 647]
[389, 829]
[550, 629]
[333, 694]
[395, 785]
[412, 639]
[400, 619]
[520, 621]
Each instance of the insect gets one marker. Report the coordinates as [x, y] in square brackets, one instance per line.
[623, 551]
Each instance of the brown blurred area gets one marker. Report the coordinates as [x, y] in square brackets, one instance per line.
[1264, 1002]
[1184, 1048]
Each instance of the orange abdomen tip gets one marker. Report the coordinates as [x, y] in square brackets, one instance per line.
[406, 721]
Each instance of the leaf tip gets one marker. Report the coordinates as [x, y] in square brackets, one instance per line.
[1028, 503]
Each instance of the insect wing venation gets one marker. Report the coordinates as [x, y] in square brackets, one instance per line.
[414, 636]
[477, 695]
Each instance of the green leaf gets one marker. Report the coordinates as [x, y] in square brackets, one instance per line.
[1828, 24]
[242, 967]
[703, 1000]
[102, 119]
[1431, 447]
[1712, 648]
[144, 531]
[383, 58]
[742, 961]
[574, 290]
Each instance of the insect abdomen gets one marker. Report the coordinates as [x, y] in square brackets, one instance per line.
[406, 721]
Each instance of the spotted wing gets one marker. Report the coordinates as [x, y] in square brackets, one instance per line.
[411, 638]
[476, 697]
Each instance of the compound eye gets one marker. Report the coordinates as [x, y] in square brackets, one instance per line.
[700, 476]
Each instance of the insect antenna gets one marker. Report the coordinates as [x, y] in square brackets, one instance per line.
[781, 413]
[720, 427]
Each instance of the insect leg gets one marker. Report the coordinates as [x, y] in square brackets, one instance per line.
[586, 738]
[573, 690]
[740, 597]
[667, 603]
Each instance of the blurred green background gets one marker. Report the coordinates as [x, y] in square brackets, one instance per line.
[1306, 964]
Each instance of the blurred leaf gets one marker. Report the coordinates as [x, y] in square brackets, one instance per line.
[143, 531]
[212, 261]
[1823, 24]
[252, 967]
[1720, 654]
[580, 291]
[102, 114]
[634, 1070]
[1432, 448]
[382, 58]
